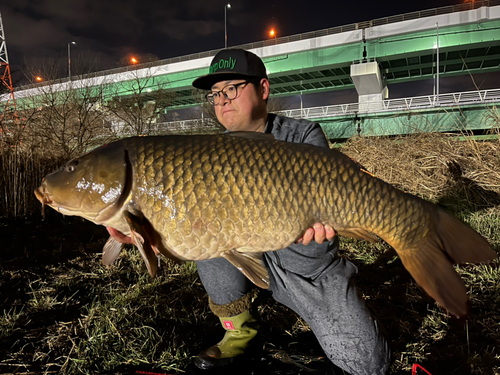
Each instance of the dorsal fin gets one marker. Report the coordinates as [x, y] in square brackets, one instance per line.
[251, 135]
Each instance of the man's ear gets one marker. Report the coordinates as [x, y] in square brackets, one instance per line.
[264, 87]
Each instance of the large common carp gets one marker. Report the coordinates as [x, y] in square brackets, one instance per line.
[239, 195]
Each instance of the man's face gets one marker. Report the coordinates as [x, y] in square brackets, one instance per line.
[247, 111]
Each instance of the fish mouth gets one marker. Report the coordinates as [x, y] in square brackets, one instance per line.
[44, 198]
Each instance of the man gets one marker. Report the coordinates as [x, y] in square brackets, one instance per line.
[308, 276]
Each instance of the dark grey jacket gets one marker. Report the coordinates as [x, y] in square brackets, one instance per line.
[308, 261]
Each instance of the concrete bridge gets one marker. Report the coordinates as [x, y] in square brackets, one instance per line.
[369, 56]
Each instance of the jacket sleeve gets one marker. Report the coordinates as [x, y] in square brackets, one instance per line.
[314, 135]
[296, 130]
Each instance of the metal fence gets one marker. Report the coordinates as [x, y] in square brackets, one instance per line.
[194, 126]
[402, 104]
[206, 125]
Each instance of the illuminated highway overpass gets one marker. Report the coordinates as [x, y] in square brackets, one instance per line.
[401, 48]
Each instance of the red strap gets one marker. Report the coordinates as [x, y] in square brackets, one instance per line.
[417, 366]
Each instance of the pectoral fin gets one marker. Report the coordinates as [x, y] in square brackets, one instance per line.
[250, 265]
[111, 251]
[141, 239]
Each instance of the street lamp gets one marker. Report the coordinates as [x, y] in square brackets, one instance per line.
[272, 33]
[225, 23]
[437, 53]
[69, 59]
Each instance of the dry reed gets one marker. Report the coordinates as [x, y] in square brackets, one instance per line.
[433, 166]
[21, 172]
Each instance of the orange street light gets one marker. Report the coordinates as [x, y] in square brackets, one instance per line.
[133, 60]
[38, 79]
[272, 34]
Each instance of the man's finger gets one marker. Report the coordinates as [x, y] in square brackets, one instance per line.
[329, 232]
[319, 233]
[307, 237]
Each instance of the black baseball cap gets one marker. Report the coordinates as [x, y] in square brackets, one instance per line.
[231, 64]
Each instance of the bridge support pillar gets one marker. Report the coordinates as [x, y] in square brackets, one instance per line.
[370, 85]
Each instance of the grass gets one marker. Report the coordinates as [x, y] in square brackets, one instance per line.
[78, 316]
[62, 311]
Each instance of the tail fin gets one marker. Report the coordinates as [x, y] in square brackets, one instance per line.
[431, 262]
[461, 243]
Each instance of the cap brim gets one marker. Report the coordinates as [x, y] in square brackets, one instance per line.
[206, 82]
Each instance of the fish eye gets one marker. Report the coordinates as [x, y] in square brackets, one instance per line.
[71, 167]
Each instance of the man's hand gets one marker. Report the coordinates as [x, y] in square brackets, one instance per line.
[119, 236]
[319, 233]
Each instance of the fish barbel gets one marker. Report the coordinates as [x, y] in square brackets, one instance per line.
[239, 195]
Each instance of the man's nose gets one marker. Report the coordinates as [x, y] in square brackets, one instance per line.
[223, 99]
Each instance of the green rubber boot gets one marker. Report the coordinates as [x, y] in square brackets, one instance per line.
[240, 330]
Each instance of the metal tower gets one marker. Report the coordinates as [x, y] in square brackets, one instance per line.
[6, 78]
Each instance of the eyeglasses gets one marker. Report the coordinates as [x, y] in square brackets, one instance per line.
[230, 92]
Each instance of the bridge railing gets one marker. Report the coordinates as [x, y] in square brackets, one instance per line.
[194, 126]
[286, 39]
[401, 104]
[311, 113]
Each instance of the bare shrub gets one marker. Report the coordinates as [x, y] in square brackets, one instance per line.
[136, 102]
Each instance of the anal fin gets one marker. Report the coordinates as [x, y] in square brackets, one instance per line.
[250, 265]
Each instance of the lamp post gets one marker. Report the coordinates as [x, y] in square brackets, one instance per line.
[225, 23]
[69, 59]
[437, 71]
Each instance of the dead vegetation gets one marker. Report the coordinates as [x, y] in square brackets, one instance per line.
[433, 166]
[463, 175]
